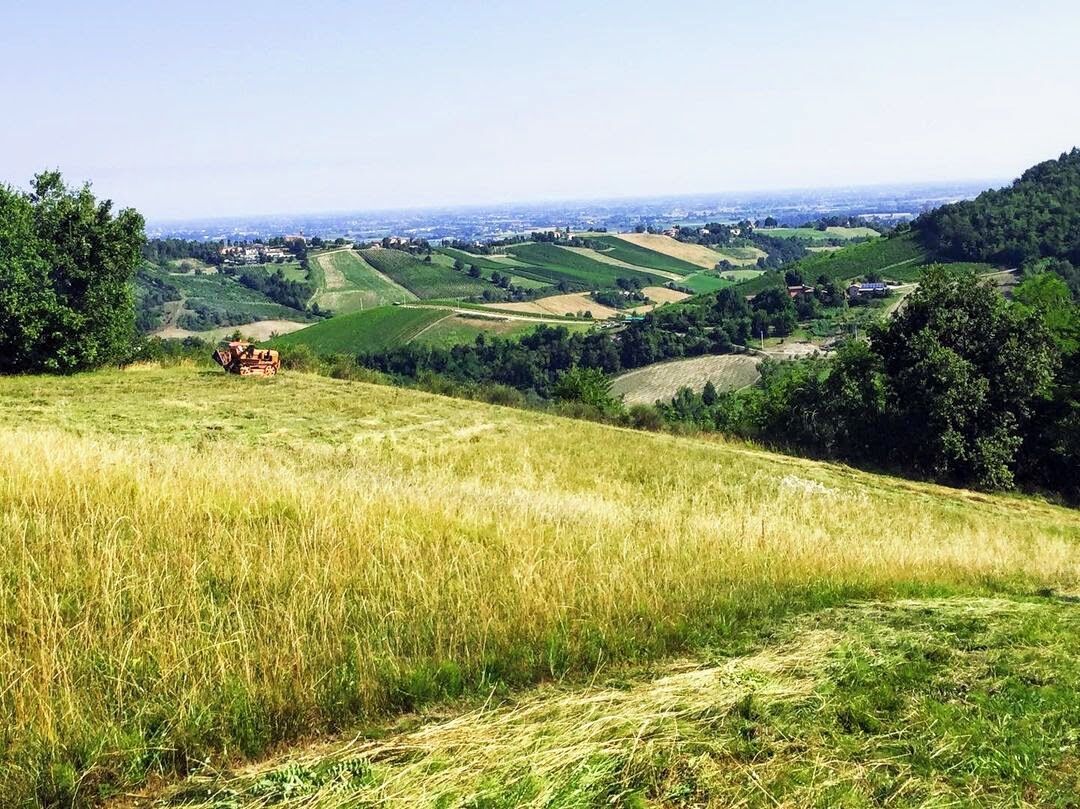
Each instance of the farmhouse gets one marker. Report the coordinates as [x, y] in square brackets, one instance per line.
[875, 290]
[799, 289]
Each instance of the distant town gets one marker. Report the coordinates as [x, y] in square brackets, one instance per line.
[893, 203]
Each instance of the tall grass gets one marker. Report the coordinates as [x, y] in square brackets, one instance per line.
[195, 565]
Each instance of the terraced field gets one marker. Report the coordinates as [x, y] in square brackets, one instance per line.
[660, 382]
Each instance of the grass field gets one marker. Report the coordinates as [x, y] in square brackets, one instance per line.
[629, 252]
[571, 303]
[553, 263]
[370, 330]
[422, 279]
[500, 263]
[197, 567]
[348, 283]
[660, 382]
[462, 329]
[813, 234]
[703, 282]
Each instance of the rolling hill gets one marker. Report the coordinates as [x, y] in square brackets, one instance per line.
[252, 562]
[348, 283]
[425, 280]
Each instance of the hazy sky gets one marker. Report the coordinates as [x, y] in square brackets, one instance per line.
[192, 108]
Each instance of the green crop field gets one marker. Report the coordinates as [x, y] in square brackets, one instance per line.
[370, 330]
[644, 257]
[501, 263]
[555, 264]
[423, 279]
[702, 282]
[348, 283]
[198, 569]
[460, 329]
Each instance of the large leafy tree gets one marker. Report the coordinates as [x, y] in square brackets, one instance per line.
[965, 372]
[66, 269]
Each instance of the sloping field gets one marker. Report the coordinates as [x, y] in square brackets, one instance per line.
[196, 567]
[695, 254]
[348, 283]
[424, 280]
[839, 708]
[554, 263]
[622, 250]
[664, 295]
[370, 330]
[572, 303]
[258, 331]
[660, 382]
[900, 258]
[461, 329]
[494, 262]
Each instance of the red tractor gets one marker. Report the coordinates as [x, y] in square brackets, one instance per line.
[243, 358]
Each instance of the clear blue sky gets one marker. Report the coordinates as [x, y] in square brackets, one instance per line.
[199, 108]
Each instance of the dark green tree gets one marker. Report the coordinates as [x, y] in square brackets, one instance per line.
[66, 271]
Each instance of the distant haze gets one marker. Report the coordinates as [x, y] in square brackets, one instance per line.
[219, 109]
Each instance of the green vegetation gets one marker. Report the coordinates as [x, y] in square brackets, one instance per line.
[816, 235]
[900, 258]
[1037, 217]
[348, 283]
[425, 280]
[644, 257]
[371, 330]
[213, 299]
[388, 549]
[556, 265]
[877, 703]
[483, 262]
[701, 282]
[66, 267]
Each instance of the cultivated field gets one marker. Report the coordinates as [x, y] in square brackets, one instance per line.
[695, 254]
[660, 382]
[664, 295]
[813, 234]
[348, 283]
[425, 280]
[257, 331]
[196, 567]
[573, 303]
[619, 249]
[554, 263]
[370, 330]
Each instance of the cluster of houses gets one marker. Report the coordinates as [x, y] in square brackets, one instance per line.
[258, 253]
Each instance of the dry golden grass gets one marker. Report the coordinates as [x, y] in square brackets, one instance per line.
[192, 564]
[664, 295]
[694, 253]
[572, 303]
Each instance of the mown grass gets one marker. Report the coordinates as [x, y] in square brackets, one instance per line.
[943, 702]
[196, 566]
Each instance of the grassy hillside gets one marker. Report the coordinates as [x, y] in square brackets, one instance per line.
[483, 262]
[207, 300]
[348, 283]
[251, 561]
[662, 380]
[554, 263]
[370, 330]
[899, 258]
[422, 279]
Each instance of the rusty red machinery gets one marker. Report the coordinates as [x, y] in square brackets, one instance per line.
[243, 358]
